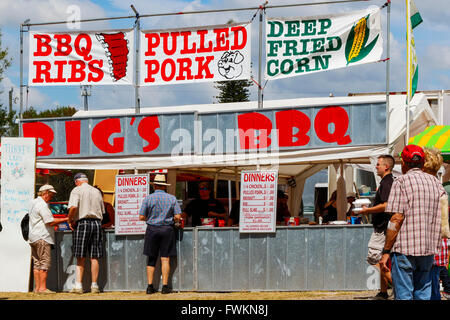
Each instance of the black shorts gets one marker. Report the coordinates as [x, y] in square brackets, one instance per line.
[87, 237]
[160, 240]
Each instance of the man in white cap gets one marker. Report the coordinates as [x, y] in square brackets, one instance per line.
[85, 216]
[160, 210]
[42, 236]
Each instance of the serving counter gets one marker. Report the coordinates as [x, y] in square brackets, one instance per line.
[300, 258]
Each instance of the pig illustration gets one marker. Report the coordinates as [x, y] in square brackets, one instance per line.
[230, 64]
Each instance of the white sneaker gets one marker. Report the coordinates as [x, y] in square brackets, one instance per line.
[76, 290]
[95, 290]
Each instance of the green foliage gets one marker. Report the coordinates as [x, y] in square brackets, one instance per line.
[51, 113]
[233, 91]
[7, 126]
[5, 62]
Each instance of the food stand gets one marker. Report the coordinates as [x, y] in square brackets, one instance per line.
[303, 257]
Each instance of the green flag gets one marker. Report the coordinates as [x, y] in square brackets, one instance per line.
[412, 21]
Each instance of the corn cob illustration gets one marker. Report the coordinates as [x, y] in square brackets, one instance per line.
[355, 48]
[116, 48]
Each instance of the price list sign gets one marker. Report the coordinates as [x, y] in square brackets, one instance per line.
[258, 201]
[131, 190]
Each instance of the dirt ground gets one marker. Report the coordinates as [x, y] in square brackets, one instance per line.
[141, 295]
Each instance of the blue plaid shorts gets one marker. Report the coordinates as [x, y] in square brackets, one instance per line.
[87, 237]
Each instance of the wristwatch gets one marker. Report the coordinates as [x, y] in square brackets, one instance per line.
[386, 251]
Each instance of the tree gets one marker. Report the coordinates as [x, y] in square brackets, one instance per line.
[50, 113]
[7, 117]
[233, 91]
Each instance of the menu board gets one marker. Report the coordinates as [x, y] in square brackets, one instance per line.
[258, 201]
[131, 190]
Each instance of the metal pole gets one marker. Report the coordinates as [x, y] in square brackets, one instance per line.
[388, 49]
[21, 77]
[259, 60]
[408, 68]
[196, 12]
[137, 106]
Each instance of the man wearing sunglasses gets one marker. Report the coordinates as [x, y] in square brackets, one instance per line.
[204, 207]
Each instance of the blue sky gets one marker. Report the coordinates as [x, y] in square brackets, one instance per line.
[432, 45]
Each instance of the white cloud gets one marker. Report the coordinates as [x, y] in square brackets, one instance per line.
[15, 12]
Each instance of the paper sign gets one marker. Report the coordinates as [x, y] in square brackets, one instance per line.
[258, 201]
[131, 190]
[18, 157]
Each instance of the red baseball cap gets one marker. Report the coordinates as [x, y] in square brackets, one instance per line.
[413, 154]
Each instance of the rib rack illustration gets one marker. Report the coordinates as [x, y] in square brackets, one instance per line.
[116, 48]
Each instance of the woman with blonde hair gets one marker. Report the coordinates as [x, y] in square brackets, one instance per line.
[433, 162]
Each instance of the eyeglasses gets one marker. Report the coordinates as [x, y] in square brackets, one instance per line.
[204, 189]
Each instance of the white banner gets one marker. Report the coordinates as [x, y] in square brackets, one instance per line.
[258, 203]
[89, 58]
[17, 186]
[131, 190]
[201, 54]
[298, 46]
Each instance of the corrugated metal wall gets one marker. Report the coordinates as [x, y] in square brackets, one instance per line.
[220, 259]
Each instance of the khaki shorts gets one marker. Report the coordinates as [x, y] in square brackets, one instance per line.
[41, 254]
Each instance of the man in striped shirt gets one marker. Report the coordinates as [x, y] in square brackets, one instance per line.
[159, 210]
[413, 233]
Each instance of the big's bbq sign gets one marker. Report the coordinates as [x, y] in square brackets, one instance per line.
[188, 133]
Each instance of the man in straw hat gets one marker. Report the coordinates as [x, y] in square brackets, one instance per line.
[42, 236]
[159, 210]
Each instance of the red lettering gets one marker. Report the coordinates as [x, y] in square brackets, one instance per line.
[73, 137]
[43, 47]
[203, 66]
[286, 122]
[101, 133]
[236, 31]
[44, 135]
[153, 41]
[171, 75]
[152, 68]
[165, 36]
[185, 65]
[42, 70]
[222, 42]
[339, 117]
[248, 124]
[202, 48]
[147, 131]
[77, 71]
[84, 52]
[95, 69]
[63, 42]
[60, 68]
[186, 49]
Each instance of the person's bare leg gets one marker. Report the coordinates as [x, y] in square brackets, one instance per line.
[94, 269]
[80, 269]
[165, 270]
[37, 280]
[150, 272]
[43, 279]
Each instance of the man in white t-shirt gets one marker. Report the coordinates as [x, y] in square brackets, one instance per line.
[41, 236]
[85, 216]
